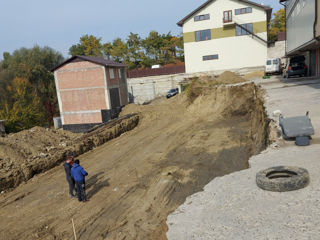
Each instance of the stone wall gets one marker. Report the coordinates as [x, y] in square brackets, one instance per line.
[277, 50]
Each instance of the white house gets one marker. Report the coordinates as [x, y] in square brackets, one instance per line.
[225, 34]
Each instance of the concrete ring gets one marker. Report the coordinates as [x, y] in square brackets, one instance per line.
[282, 179]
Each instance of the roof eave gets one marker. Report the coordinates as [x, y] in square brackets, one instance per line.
[81, 57]
[181, 22]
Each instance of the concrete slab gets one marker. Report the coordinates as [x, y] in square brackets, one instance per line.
[233, 207]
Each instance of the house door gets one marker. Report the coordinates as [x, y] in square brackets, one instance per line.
[114, 97]
[227, 16]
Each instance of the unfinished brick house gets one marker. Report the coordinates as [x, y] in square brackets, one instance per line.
[90, 91]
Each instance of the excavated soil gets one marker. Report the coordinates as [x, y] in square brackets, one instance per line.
[30, 152]
[137, 179]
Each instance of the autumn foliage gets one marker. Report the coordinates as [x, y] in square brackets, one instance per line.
[27, 88]
[278, 24]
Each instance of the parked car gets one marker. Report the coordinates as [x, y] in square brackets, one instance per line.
[296, 67]
[172, 92]
[273, 66]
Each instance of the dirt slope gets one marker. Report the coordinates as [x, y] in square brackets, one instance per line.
[137, 179]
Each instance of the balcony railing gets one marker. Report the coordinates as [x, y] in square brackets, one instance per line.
[227, 20]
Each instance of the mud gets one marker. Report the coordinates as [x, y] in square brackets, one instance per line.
[139, 178]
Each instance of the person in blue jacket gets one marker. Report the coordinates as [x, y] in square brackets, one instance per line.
[78, 174]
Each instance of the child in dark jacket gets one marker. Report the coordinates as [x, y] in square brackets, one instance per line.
[78, 174]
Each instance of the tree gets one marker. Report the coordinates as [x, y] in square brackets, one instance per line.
[134, 51]
[89, 45]
[34, 66]
[25, 110]
[278, 24]
[119, 50]
[153, 44]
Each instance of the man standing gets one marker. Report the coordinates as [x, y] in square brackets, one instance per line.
[67, 167]
[78, 173]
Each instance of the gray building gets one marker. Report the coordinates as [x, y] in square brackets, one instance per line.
[303, 31]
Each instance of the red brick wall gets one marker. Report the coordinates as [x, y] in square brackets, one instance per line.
[82, 118]
[82, 88]
[93, 77]
[83, 100]
[115, 80]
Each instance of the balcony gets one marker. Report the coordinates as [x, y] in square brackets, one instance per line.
[227, 18]
[227, 21]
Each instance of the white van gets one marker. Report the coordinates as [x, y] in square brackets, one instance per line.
[273, 66]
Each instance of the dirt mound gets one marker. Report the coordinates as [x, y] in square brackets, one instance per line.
[29, 152]
[205, 85]
[229, 78]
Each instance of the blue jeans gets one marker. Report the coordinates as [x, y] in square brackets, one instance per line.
[71, 186]
[81, 191]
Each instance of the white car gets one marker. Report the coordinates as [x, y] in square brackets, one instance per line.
[273, 66]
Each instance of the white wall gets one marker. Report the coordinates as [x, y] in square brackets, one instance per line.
[278, 50]
[216, 9]
[234, 52]
[300, 21]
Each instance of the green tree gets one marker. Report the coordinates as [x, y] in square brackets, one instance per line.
[25, 110]
[135, 52]
[119, 50]
[107, 49]
[89, 45]
[34, 65]
[278, 24]
[153, 45]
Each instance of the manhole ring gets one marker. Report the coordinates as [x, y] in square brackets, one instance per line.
[282, 178]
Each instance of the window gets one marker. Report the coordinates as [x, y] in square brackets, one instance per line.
[111, 71]
[275, 61]
[210, 57]
[269, 62]
[203, 35]
[202, 17]
[242, 30]
[119, 73]
[227, 16]
[243, 10]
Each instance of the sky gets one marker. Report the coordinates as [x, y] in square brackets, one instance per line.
[59, 24]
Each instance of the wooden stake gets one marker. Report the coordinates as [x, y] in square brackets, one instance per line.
[74, 230]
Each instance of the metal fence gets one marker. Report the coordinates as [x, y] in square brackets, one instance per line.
[156, 71]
